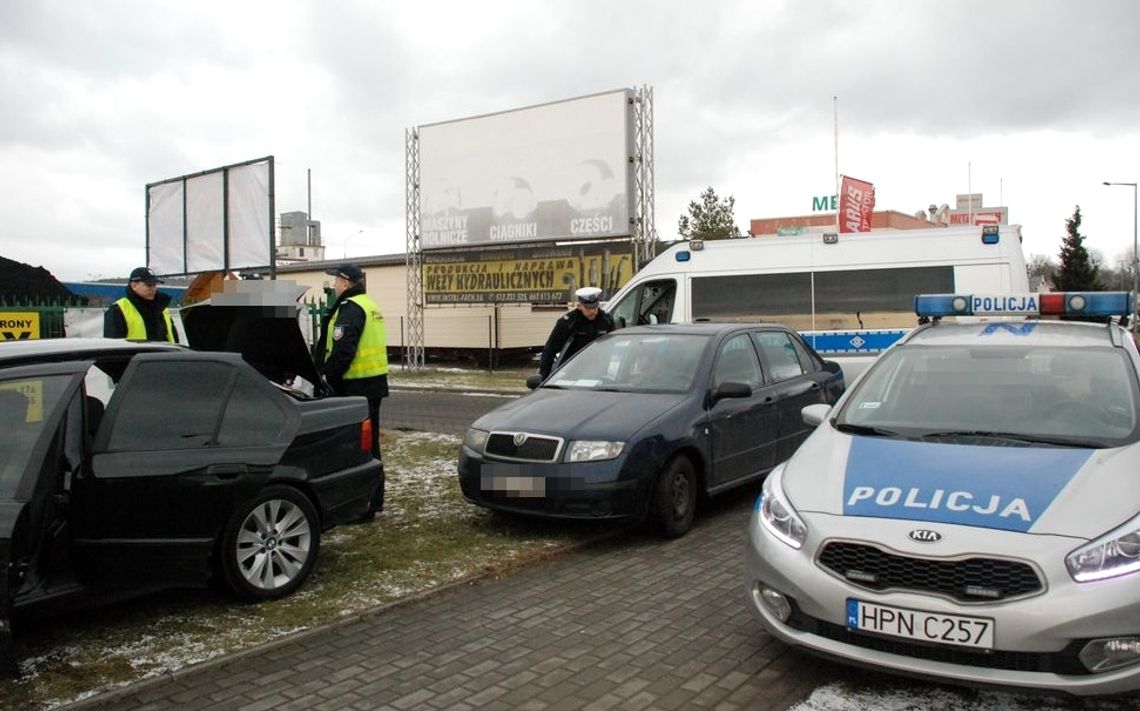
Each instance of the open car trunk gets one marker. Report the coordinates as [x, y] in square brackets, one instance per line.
[259, 320]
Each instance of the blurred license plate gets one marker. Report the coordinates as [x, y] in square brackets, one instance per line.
[520, 486]
[976, 632]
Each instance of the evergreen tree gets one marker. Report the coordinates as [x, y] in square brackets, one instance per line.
[1077, 271]
[711, 218]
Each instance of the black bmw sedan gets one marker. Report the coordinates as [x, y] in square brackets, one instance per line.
[127, 467]
[643, 420]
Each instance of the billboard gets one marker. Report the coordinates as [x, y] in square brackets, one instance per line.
[218, 219]
[525, 275]
[558, 171]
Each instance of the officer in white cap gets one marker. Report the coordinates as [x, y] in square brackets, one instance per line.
[573, 331]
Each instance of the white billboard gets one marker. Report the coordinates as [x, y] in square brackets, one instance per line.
[218, 219]
[558, 171]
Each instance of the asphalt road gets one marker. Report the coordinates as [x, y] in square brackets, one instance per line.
[436, 410]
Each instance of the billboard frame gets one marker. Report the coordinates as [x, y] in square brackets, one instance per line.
[642, 234]
[224, 170]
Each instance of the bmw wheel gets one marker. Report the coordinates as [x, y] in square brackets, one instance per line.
[675, 498]
[271, 544]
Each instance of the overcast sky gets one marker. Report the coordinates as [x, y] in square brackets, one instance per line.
[1033, 103]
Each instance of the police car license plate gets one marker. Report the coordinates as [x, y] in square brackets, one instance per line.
[975, 632]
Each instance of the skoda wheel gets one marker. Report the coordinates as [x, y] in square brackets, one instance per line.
[271, 544]
[675, 498]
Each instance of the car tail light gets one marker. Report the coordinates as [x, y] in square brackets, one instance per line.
[366, 434]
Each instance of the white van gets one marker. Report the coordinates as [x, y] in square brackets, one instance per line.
[847, 293]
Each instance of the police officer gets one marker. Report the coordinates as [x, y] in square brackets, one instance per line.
[353, 354]
[141, 315]
[573, 331]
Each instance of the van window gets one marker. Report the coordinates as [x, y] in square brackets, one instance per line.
[651, 302]
[850, 298]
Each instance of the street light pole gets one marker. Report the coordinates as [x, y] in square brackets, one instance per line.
[1135, 254]
[346, 239]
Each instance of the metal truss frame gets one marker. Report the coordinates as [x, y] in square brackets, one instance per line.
[413, 253]
[644, 234]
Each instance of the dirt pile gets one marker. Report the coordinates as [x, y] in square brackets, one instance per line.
[24, 283]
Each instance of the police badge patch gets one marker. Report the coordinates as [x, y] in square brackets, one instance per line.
[338, 331]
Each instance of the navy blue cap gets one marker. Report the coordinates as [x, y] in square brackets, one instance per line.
[144, 275]
[351, 272]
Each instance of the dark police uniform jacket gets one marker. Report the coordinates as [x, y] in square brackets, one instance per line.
[570, 334]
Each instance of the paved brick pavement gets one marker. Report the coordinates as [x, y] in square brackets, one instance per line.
[631, 623]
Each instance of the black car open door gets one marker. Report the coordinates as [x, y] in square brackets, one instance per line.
[35, 463]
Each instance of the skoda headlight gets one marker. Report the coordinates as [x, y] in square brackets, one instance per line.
[590, 451]
[1115, 553]
[776, 513]
[475, 439]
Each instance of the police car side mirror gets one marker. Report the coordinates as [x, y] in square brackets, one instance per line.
[814, 414]
[533, 381]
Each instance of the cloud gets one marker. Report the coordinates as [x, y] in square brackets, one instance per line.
[1038, 98]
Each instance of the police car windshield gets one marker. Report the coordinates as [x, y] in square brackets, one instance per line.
[1047, 395]
[658, 362]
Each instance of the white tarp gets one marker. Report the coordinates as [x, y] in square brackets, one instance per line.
[217, 219]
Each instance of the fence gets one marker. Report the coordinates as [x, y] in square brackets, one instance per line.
[27, 319]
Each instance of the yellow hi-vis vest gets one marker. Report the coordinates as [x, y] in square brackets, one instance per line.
[136, 327]
[371, 357]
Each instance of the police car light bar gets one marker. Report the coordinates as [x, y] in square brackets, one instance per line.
[1062, 303]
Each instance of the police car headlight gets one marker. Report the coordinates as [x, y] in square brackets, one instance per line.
[475, 439]
[776, 513]
[1113, 554]
[588, 451]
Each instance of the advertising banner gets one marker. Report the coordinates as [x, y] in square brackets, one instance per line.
[559, 171]
[536, 275]
[856, 203]
[19, 325]
[986, 216]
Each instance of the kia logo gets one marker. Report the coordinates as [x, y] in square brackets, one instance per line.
[924, 536]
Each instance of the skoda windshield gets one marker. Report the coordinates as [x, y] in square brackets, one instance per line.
[657, 362]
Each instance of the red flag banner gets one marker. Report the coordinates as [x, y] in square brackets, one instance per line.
[856, 203]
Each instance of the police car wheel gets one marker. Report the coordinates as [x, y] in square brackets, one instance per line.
[675, 498]
[270, 544]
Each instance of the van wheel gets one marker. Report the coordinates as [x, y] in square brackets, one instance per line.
[270, 544]
[675, 498]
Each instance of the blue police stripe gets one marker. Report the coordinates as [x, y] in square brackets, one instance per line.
[993, 487]
[852, 341]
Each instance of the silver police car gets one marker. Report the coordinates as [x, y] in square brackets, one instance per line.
[970, 509]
